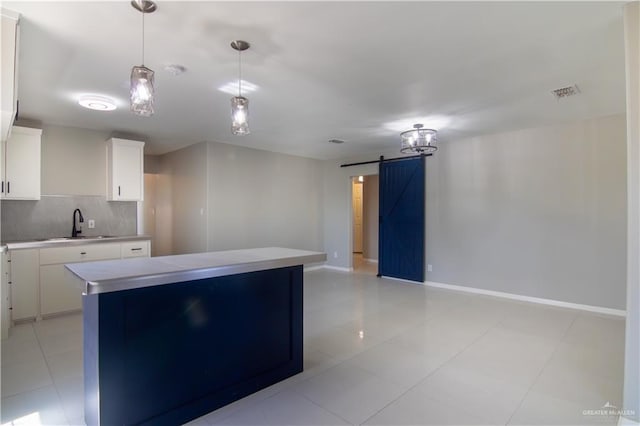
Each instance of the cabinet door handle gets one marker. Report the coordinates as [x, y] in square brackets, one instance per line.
[83, 252]
[136, 249]
[8, 187]
[2, 187]
[118, 190]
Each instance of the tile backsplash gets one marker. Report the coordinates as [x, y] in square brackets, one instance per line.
[52, 216]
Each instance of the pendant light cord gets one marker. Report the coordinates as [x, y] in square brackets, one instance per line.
[142, 38]
[239, 73]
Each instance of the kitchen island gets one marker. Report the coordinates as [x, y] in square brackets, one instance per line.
[168, 339]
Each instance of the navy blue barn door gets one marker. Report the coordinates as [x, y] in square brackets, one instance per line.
[402, 219]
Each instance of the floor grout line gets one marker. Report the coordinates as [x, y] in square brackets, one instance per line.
[53, 382]
[534, 381]
[431, 373]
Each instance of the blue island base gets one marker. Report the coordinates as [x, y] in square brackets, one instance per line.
[167, 354]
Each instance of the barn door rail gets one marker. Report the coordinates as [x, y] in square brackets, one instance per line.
[383, 160]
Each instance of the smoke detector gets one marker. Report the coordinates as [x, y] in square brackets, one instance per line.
[565, 92]
[336, 141]
[175, 69]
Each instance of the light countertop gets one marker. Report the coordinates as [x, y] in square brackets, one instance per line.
[64, 242]
[116, 275]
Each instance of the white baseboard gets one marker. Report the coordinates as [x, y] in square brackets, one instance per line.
[401, 279]
[338, 268]
[551, 302]
[313, 268]
[370, 260]
[623, 421]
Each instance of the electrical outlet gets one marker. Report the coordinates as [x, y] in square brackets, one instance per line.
[92, 223]
[335, 254]
[429, 268]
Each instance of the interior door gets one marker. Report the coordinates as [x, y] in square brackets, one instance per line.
[402, 198]
[357, 217]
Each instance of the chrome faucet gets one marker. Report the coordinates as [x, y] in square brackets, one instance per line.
[77, 229]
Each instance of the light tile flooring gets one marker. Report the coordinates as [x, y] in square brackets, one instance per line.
[377, 352]
[363, 266]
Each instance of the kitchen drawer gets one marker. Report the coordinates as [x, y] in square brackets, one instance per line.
[135, 249]
[80, 253]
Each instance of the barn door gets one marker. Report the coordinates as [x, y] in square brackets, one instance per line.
[402, 192]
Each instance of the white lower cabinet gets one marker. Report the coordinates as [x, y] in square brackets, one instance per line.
[6, 300]
[23, 283]
[56, 295]
[40, 284]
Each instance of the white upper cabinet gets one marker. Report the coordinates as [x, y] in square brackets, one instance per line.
[21, 172]
[125, 170]
[9, 29]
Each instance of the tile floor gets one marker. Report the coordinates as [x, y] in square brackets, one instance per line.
[377, 352]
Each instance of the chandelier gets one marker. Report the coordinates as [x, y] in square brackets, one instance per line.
[418, 140]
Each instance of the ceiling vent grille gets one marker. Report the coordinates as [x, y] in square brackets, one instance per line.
[565, 92]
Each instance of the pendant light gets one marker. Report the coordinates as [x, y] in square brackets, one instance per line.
[239, 104]
[141, 90]
[418, 140]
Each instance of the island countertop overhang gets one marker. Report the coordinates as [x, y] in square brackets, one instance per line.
[118, 275]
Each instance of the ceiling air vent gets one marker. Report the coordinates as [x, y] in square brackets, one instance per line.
[565, 92]
[336, 141]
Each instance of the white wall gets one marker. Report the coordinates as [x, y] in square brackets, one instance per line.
[632, 349]
[537, 212]
[181, 201]
[213, 196]
[73, 161]
[259, 199]
[148, 208]
[162, 244]
[152, 170]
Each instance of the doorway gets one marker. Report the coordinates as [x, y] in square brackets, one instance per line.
[365, 223]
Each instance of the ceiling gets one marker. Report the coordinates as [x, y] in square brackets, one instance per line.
[356, 71]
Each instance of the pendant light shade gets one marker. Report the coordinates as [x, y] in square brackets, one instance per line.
[142, 91]
[240, 115]
[418, 140]
[239, 104]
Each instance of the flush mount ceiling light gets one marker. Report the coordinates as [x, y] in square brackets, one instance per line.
[239, 104]
[141, 86]
[97, 103]
[418, 140]
[232, 87]
[432, 121]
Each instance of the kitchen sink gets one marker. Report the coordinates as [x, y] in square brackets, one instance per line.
[87, 237]
[83, 237]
